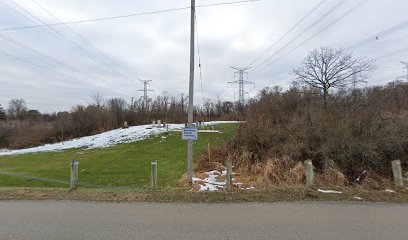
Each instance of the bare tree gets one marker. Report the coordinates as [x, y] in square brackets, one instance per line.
[17, 108]
[327, 68]
[2, 113]
[98, 99]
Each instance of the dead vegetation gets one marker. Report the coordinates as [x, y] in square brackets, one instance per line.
[362, 129]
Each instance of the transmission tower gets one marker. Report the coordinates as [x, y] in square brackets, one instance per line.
[406, 69]
[145, 90]
[242, 73]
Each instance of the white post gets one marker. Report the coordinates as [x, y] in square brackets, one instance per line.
[397, 172]
[154, 175]
[74, 175]
[309, 173]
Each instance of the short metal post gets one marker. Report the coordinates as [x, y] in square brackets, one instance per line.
[397, 172]
[154, 175]
[229, 176]
[74, 175]
[309, 173]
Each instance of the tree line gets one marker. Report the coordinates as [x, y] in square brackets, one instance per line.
[21, 127]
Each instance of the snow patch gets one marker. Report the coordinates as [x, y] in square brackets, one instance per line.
[103, 140]
[329, 191]
[107, 139]
[358, 198]
[389, 191]
[210, 183]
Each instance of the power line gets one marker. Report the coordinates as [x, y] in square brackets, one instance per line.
[393, 53]
[199, 58]
[309, 13]
[19, 44]
[128, 15]
[39, 66]
[379, 35]
[49, 70]
[361, 3]
[319, 20]
[81, 37]
[61, 37]
[57, 34]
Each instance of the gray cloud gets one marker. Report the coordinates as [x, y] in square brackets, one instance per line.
[157, 46]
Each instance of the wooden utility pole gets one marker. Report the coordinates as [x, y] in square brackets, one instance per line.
[190, 96]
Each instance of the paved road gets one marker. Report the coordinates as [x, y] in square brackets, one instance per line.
[77, 220]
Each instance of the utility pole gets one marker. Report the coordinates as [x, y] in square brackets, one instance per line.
[145, 90]
[242, 73]
[406, 70]
[190, 96]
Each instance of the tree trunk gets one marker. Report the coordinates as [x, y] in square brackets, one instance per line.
[325, 95]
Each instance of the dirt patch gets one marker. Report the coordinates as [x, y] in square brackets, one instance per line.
[270, 195]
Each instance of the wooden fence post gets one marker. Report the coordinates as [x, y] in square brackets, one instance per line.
[74, 175]
[154, 175]
[309, 173]
[229, 176]
[397, 172]
[209, 153]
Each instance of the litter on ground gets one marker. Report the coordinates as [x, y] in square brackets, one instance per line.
[329, 191]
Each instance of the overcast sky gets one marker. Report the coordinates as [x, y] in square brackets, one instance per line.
[54, 68]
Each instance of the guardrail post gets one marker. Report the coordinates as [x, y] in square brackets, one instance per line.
[229, 176]
[396, 170]
[74, 175]
[154, 175]
[309, 173]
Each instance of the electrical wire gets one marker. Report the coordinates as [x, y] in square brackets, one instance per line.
[21, 45]
[199, 57]
[308, 14]
[360, 4]
[316, 22]
[128, 15]
[82, 38]
[61, 37]
[384, 33]
[43, 68]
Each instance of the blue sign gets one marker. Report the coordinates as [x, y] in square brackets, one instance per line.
[190, 134]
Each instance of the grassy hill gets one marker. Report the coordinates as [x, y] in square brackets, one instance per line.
[124, 165]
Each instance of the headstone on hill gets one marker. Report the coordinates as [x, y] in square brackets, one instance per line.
[153, 124]
[125, 125]
[159, 123]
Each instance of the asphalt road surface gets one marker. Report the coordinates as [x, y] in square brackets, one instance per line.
[78, 220]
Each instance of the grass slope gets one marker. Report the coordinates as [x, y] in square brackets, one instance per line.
[125, 165]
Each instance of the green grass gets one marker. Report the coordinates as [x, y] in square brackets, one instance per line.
[124, 165]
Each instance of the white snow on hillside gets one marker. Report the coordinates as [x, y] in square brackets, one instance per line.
[103, 140]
